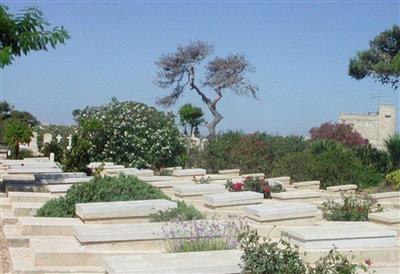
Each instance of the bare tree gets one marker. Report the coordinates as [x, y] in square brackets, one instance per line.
[178, 73]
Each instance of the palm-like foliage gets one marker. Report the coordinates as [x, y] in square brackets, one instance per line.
[393, 147]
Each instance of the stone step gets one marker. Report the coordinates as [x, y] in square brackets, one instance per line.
[121, 211]
[7, 217]
[349, 235]
[25, 209]
[289, 213]
[225, 261]
[29, 197]
[198, 190]
[232, 199]
[5, 203]
[22, 263]
[46, 226]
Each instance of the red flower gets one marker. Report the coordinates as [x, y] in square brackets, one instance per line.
[266, 189]
[238, 186]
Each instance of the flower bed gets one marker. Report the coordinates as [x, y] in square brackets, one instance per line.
[256, 184]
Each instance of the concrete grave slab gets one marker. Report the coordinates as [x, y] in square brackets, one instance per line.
[46, 226]
[342, 188]
[290, 213]
[189, 172]
[198, 189]
[341, 236]
[232, 199]
[126, 210]
[297, 195]
[307, 185]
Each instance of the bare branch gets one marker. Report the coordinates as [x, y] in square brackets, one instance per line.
[173, 68]
[229, 73]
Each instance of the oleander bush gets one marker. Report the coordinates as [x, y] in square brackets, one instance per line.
[329, 162]
[263, 256]
[352, 207]
[100, 189]
[127, 133]
[183, 212]
[393, 178]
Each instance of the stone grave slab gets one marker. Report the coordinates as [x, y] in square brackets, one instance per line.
[234, 172]
[205, 262]
[387, 217]
[46, 226]
[284, 180]
[232, 199]
[290, 213]
[197, 190]
[297, 195]
[118, 211]
[307, 185]
[29, 197]
[171, 184]
[189, 172]
[342, 188]
[393, 196]
[256, 175]
[25, 209]
[351, 236]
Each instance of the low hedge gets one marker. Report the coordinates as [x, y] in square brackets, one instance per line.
[100, 189]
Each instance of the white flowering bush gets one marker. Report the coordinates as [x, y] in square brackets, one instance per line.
[129, 133]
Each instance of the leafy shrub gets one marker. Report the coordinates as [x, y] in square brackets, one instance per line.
[352, 208]
[217, 152]
[370, 156]
[53, 147]
[127, 133]
[393, 178]
[343, 133]
[104, 189]
[259, 185]
[202, 235]
[261, 255]
[393, 147]
[328, 162]
[251, 153]
[182, 212]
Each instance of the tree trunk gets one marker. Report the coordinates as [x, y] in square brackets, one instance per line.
[17, 151]
[217, 118]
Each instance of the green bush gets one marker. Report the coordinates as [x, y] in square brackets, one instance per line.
[100, 189]
[369, 156]
[127, 133]
[393, 178]
[352, 208]
[217, 152]
[53, 147]
[329, 162]
[182, 212]
[263, 256]
[250, 152]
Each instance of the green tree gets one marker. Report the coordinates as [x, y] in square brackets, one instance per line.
[17, 132]
[190, 116]
[8, 112]
[25, 32]
[381, 61]
[393, 147]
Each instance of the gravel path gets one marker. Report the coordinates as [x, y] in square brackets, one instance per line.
[4, 255]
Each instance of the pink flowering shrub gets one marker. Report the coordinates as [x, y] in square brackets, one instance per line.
[340, 132]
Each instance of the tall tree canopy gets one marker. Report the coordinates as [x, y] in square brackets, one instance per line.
[381, 61]
[178, 72]
[25, 32]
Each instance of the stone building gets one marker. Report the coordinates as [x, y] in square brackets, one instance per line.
[375, 126]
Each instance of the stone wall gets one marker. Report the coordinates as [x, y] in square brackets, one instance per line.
[376, 127]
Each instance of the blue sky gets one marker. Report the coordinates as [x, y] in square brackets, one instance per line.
[300, 49]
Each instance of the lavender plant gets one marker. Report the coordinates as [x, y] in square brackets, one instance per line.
[202, 235]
